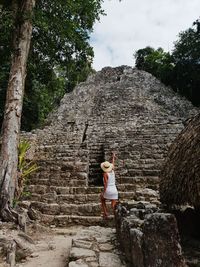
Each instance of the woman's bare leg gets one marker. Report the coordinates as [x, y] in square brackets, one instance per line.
[103, 205]
[113, 204]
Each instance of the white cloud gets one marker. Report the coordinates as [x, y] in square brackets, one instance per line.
[134, 24]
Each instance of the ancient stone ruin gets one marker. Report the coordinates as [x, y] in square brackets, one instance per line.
[117, 109]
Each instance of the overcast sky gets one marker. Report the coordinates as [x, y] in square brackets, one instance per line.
[134, 24]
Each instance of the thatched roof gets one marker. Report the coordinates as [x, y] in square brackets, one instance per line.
[180, 177]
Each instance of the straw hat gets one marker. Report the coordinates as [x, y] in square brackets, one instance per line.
[106, 166]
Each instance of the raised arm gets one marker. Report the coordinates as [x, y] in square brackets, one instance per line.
[113, 159]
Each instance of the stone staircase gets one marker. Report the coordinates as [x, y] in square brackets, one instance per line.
[122, 110]
[60, 193]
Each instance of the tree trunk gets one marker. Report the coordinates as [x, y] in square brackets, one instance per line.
[22, 10]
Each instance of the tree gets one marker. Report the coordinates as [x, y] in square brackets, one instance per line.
[181, 68]
[157, 62]
[60, 51]
[186, 55]
[22, 12]
[6, 24]
[60, 54]
[141, 57]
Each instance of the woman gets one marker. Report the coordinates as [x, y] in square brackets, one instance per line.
[110, 191]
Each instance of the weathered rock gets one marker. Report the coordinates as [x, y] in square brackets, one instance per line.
[82, 244]
[109, 259]
[77, 253]
[125, 237]
[120, 213]
[11, 254]
[78, 264]
[34, 214]
[136, 238]
[14, 246]
[106, 247]
[26, 237]
[149, 237]
[161, 241]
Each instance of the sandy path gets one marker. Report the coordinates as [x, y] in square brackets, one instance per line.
[51, 250]
[50, 253]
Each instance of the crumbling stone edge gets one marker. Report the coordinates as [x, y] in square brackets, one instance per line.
[148, 236]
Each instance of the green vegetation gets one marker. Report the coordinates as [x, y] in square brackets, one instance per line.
[181, 68]
[24, 169]
[60, 54]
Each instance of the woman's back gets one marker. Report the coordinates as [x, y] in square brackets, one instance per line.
[111, 178]
[111, 190]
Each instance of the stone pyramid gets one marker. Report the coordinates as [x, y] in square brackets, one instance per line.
[121, 109]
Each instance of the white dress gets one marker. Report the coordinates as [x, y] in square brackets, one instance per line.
[111, 190]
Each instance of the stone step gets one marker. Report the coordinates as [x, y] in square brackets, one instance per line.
[71, 220]
[55, 158]
[62, 175]
[91, 209]
[58, 182]
[61, 147]
[59, 190]
[58, 151]
[65, 146]
[42, 189]
[131, 171]
[59, 174]
[142, 172]
[75, 198]
[68, 162]
[137, 180]
[63, 220]
[63, 178]
[60, 157]
[147, 194]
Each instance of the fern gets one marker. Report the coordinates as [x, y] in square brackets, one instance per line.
[25, 168]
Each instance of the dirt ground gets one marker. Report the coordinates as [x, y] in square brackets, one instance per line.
[50, 248]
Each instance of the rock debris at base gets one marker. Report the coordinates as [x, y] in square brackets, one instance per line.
[95, 246]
